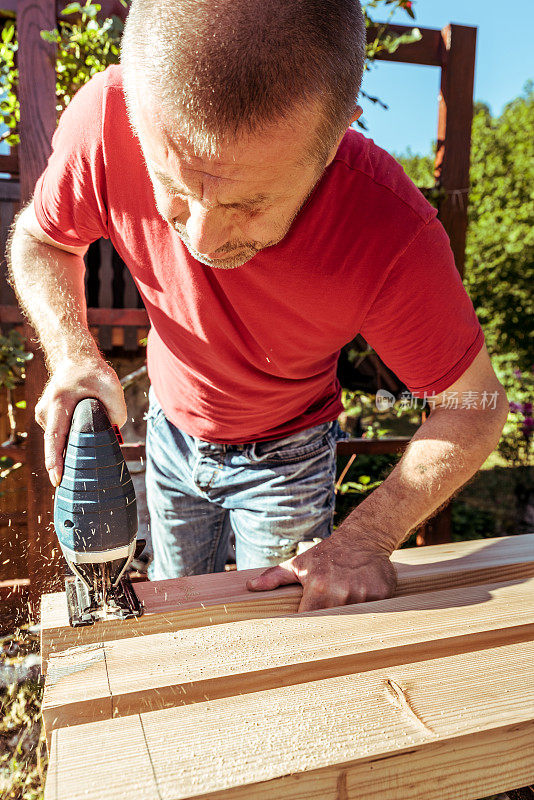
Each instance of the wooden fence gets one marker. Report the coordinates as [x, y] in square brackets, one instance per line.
[114, 307]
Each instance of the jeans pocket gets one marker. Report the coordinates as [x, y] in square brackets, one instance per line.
[155, 412]
[301, 445]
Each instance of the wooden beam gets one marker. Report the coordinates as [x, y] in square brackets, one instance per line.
[116, 317]
[37, 97]
[454, 133]
[131, 676]
[359, 445]
[460, 726]
[136, 317]
[9, 191]
[9, 163]
[201, 600]
[428, 50]
[9, 6]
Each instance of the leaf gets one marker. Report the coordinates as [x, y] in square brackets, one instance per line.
[365, 479]
[21, 404]
[72, 8]
[51, 36]
[8, 31]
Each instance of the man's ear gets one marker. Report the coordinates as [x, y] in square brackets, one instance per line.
[358, 111]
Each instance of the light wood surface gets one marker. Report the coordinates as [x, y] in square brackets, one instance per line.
[203, 600]
[157, 671]
[453, 728]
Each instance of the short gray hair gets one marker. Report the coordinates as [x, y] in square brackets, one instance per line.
[225, 67]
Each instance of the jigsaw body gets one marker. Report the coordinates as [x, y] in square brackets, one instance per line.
[95, 517]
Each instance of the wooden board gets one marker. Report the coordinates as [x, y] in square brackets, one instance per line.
[130, 676]
[202, 600]
[454, 728]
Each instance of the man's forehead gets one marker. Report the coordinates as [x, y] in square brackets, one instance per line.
[280, 145]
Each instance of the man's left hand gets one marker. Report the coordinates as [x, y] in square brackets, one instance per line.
[336, 572]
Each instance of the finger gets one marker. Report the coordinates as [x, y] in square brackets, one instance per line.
[57, 429]
[116, 407]
[281, 575]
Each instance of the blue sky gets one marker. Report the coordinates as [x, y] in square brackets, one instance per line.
[505, 61]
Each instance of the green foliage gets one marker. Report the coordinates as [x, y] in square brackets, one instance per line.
[469, 522]
[88, 45]
[500, 243]
[500, 237]
[84, 48]
[13, 358]
[9, 107]
[22, 742]
[419, 168]
[516, 444]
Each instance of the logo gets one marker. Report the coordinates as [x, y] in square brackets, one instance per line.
[384, 400]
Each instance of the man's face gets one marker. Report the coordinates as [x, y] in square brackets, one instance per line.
[227, 208]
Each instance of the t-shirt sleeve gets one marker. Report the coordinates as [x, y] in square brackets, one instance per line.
[422, 322]
[70, 195]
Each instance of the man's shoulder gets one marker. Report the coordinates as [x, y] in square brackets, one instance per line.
[375, 172]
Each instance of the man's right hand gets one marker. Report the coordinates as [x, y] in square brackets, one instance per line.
[71, 381]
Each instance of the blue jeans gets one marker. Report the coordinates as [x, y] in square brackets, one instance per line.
[272, 495]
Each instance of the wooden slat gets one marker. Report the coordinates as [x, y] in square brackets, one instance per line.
[453, 728]
[454, 133]
[196, 601]
[428, 50]
[130, 676]
[10, 191]
[116, 317]
[8, 210]
[105, 291]
[9, 163]
[359, 445]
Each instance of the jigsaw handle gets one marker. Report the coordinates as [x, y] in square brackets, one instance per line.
[95, 510]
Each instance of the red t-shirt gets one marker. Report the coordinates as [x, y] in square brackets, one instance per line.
[250, 353]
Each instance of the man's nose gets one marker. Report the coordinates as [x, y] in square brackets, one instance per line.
[208, 228]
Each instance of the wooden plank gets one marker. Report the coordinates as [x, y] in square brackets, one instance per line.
[105, 290]
[393, 444]
[8, 210]
[196, 601]
[130, 299]
[428, 50]
[169, 669]
[116, 317]
[359, 445]
[453, 728]
[37, 96]
[454, 133]
[10, 191]
[9, 162]
[121, 317]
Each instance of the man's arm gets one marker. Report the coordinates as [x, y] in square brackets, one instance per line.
[48, 279]
[450, 446]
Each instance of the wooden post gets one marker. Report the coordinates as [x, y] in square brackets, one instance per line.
[454, 133]
[37, 96]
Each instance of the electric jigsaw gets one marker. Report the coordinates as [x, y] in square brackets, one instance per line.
[95, 517]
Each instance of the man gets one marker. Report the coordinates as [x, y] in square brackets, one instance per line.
[262, 235]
